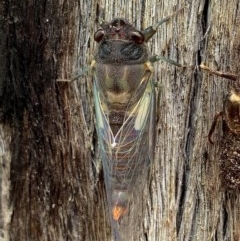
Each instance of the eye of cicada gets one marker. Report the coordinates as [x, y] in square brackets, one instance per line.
[99, 35]
[137, 37]
[132, 51]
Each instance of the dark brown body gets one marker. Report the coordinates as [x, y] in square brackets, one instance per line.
[230, 147]
[230, 161]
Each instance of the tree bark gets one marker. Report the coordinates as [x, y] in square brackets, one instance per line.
[51, 182]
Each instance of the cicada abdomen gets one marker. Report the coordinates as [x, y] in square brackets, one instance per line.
[230, 148]
[124, 105]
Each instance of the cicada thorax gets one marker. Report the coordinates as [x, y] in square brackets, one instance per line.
[124, 100]
[230, 149]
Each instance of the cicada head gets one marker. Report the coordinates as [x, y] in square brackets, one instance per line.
[119, 29]
[232, 109]
[121, 43]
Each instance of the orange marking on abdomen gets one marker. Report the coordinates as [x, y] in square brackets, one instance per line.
[118, 212]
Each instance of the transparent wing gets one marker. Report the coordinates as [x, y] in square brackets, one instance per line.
[126, 154]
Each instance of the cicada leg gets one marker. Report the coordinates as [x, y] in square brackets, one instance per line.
[213, 126]
[85, 71]
[150, 31]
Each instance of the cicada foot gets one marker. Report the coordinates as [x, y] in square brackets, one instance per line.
[213, 126]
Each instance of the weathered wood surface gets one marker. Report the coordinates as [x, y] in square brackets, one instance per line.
[50, 186]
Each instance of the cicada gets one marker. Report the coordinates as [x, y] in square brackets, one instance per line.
[124, 97]
[124, 100]
[230, 147]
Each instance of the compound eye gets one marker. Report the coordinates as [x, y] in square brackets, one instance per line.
[137, 37]
[99, 35]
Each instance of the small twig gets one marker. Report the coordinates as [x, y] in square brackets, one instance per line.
[226, 75]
